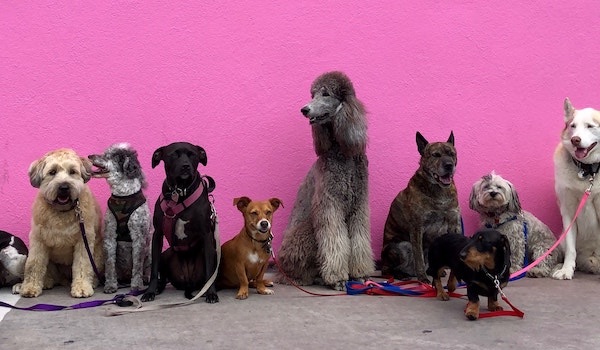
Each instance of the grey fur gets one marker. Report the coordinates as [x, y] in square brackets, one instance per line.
[498, 205]
[125, 261]
[327, 239]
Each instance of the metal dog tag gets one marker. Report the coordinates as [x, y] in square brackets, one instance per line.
[175, 196]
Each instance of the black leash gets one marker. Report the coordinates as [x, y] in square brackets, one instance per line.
[86, 243]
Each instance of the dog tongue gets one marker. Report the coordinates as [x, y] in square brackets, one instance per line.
[581, 153]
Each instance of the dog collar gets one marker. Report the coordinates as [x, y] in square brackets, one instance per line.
[266, 242]
[497, 222]
[586, 169]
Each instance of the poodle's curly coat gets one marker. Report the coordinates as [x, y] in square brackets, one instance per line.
[328, 239]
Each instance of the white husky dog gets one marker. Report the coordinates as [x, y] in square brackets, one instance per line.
[576, 161]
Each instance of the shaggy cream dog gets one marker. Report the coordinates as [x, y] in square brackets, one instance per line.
[498, 205]
[56, 248]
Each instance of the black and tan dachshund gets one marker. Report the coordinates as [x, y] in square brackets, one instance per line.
[482, 262]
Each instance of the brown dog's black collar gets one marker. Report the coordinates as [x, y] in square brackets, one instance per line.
[266, 242]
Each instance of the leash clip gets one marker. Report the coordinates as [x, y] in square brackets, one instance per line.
[497, 284]
[78, 211]
[591, 180]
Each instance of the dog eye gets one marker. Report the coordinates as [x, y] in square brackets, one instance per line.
[72, 172]
[255, 214]
[572, 126]
[52, 172]
[437, 154]
[268, 212]
[590, 126]
[325, 94]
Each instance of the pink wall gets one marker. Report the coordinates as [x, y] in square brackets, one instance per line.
[232, 76]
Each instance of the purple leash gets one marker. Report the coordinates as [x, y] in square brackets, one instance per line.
[119, 299]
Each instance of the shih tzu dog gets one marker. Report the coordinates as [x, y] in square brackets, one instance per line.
[498, 205]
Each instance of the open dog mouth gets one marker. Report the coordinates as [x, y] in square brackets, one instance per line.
[581, 153]
[445, 180]
[63, 199]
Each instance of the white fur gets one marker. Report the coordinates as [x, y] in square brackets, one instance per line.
[582, 243]
[180, 228]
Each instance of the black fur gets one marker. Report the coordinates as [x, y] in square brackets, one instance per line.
[187, 270]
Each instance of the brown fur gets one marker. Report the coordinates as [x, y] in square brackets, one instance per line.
[55, 239]
[424, 210]
[244, 258]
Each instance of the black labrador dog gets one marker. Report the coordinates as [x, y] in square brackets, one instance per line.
[482, 262]
[184, 215]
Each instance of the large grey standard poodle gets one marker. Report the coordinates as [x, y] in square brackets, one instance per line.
[327, 239]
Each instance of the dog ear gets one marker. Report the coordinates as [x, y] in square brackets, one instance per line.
[132, 168]
[241, 203]
[276, 202]
[451, 138]
[569, 110]
[473, 202]
[350, 126]
[421, 143]
[86, 169]
[514, 204]
[36, 172]
[201, 155]
[157, 157]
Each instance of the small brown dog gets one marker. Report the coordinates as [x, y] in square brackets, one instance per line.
[424, 210]
[244, 258]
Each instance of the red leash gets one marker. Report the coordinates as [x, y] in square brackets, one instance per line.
[296, 284]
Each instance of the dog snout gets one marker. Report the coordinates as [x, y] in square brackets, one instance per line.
[576, 141]
[305, 110]
[264, 224]
[63, 189]
[463, 254]
[493, 194]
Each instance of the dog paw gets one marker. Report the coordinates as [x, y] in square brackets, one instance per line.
[242, 295]
[212, 298]
[443, 296]
[148, 296]
[537, 272]
[30, 291]
[266, 291]
[16, 289]
[494, 306]
[82, 289]
[339, 285]
[563, 274]
[472, 311]
[110, 288]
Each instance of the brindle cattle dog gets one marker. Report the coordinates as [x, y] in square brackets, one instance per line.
[424, 210]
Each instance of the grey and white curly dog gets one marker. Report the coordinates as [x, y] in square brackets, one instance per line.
[498, 205]
[328, 239]
[127, 219]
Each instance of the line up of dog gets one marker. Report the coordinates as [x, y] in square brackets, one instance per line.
[327, 239]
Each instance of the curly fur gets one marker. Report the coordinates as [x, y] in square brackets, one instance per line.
[498, 205]
[128, 262]
[328, 238]
[56, 249]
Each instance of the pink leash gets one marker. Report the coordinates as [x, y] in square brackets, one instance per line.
[586, 194]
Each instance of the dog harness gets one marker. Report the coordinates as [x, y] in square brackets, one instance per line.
[171, 210]
[122, 207]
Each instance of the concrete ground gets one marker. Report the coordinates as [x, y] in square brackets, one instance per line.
[558, 315]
